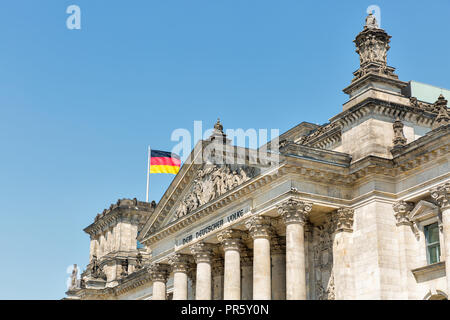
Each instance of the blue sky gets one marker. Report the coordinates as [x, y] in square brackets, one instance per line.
[78, 108]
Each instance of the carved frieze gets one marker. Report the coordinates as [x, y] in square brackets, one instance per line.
[211, 182]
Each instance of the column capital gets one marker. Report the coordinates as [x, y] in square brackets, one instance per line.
[180, 262]
[231, 239]
[159, 272]
[442, 195]
[401, 212]
[278, 245]
[202, 252]
[344, 219]
[294, 211]
[259, 227]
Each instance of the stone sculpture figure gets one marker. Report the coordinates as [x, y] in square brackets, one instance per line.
[96, 271]
[371, 21]
[73, 277]
[211, 182]
[139, 263]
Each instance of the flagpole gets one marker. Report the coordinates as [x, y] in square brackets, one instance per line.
[148, 173]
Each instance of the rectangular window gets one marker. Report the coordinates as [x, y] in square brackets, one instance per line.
[432, 241]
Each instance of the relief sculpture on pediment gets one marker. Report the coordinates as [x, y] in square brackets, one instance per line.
[211, 182]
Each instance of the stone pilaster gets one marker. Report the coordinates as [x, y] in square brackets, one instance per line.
[295, 214]
[181, 264]
[309, 254]
[402, 210]
[203, 255]
[342, 220]
[232, 244]
[217, 265]
[278, 255]
[441, 195]
[159, 273]
[246, 274]
[260, 230]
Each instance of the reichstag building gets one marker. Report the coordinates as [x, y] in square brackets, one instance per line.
[357, 208]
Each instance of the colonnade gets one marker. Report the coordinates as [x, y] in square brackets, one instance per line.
[247, 274]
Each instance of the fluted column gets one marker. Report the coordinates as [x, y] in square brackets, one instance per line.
[260, 230]
[180, 265]
[342, 253]
[159, 273]
[246, 274]
[442, 195]
[217, 278]
[203, 254]
[295, 214]
[232, 243]
[278, 255]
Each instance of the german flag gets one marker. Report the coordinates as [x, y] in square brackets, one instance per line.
[164, 162]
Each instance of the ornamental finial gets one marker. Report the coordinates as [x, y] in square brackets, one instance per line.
[218, 126]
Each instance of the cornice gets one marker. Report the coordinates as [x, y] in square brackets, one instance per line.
[315, 154]
[373, 77]
[124, 208]
[393, 110]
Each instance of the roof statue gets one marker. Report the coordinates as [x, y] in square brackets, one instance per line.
[371, 22]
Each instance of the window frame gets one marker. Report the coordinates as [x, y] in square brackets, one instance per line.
[428, 245]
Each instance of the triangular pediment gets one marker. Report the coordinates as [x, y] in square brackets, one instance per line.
[202, 179]
[423, 210]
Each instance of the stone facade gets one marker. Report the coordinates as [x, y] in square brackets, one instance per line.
[357, 208]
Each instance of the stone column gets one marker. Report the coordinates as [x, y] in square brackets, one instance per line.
[231, 242]
[278, 255]
[218, 278]
[159, 273]
[294, 214]
[261, 230]
[180, 265]
[203, 254]
[342, 254]
[246, 275]
[442, 195]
